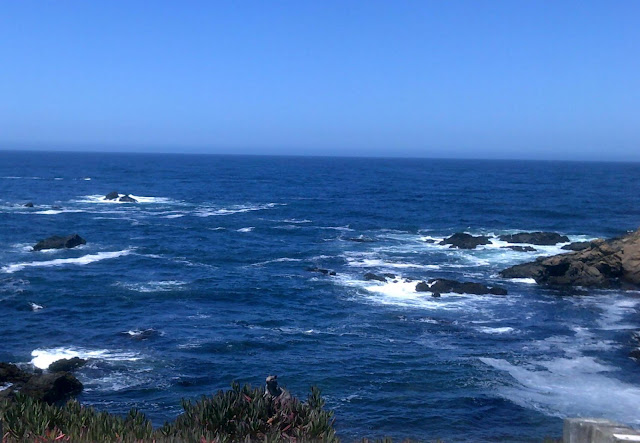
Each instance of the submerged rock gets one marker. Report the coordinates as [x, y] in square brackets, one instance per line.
[361, 239]
[520, 248]
[604, 264]
[57, 242]
[440, 285]
[127, 199]
[28, 205]
[465, 241]
[321, 271]
[535, 238]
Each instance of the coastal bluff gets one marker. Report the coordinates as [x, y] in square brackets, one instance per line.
[613, 263]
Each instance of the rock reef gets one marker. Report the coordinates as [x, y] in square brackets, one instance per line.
[613, 263]
[49, 387]
[57, 242]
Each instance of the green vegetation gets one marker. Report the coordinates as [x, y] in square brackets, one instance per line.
[239, 414]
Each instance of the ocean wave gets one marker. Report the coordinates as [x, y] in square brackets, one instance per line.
[501, 330]
[247, 229]
[57, 211]
[277, 260]
[154, 286]
[565, 387]
[236, 209]
[84, 260]
[141, 199]
[42, 358]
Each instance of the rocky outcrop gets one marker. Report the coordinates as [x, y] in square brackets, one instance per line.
[112, 195]
[465, 241]
[535, 238]
[520, 248]
[67, 364]
[577, 246]
[611, 263]
[49, 387]
[372, 276]
[442, 285]
[57, 242]
[28, 205]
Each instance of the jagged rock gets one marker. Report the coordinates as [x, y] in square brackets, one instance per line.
[51, 387]
[535, 238]
[440, 285]
[429, 240]
[67, 364]
[520, 248]
[372, 276]
[28, 205]
[112, 195]
[465, 241]
[127, 199]
[322, 271]
[57, 242]
[604, 264]
[577, 246]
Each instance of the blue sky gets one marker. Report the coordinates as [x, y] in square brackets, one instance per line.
[454, 79]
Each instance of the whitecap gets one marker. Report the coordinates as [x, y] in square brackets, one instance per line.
[277, 260]
[42, 358]
[84, 260]
[87, 178]
[248, 229]
[174, 216]
[141, 199]
[35, 306]
[293, 220]
[502, 330]
[154, 286]
[236, 209]
[57, 211]
[569, 387]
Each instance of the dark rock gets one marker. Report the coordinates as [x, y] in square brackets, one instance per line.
[604, 264]
[12, 374]
[28, 205]
[322, 271]
[438, 286]
[520, 248]
[465, 241]
[372, 276]
[144, 334]
[67, 364]
[57, 242]
[390, 275]
[52, 388]
[577, 246]
[127, 199]
[361, 239]
[435, 295]
[429, 240]
[535, 238]
[112, 195]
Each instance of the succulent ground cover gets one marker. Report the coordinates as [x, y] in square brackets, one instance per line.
[242, 413]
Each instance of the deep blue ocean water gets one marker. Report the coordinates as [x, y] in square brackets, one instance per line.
[212, 265]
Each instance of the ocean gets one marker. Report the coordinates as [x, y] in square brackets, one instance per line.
[206, 280]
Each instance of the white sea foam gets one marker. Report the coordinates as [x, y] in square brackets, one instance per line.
[563, 387]
[84, 260]
[174, 216]
[42, 358]
[277, 260]
[155, 286]
[503, 330]
[379, 263]
[293, 220]
[57, 211]
[87, 178]
[247, 229]
[140, 198]
[4, 386]
[36, 307]
[208, 212]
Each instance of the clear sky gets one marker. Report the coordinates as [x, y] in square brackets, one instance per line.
[447, 78]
